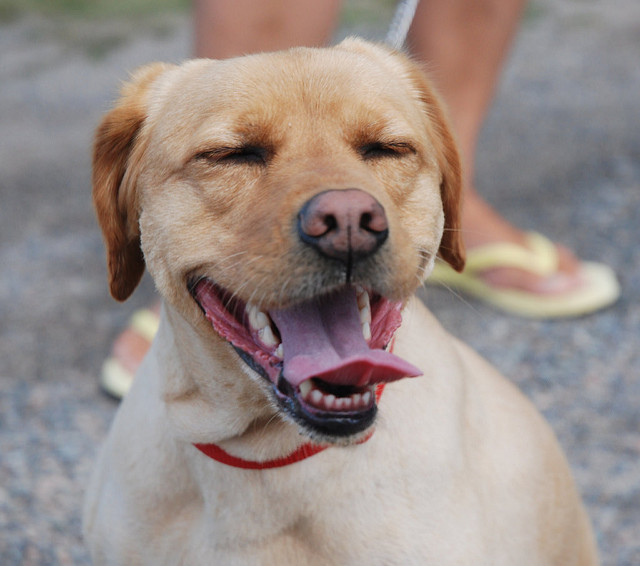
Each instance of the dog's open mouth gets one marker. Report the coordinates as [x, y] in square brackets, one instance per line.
[324, 357]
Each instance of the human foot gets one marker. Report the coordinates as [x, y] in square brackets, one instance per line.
[524, 273]
[483, 226]
[128, 350]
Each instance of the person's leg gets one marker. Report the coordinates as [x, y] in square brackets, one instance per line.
[227, 28]
[464, 45]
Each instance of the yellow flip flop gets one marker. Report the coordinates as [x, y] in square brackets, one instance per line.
[600, 286]
[115, 378]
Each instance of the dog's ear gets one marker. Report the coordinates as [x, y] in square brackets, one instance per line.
[451, 245]
[115, 197]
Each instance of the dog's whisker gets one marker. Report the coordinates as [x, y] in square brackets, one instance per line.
[228, 262]
[283, 288]
[237, 254]
[235, 294]
[258, 294]
[459, 297]
[257, 286]
[265, 428]
[226, 259]
[191, 285]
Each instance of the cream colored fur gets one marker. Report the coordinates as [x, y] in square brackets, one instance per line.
[461, 468]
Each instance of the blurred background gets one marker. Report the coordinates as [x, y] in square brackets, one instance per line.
[560, 154]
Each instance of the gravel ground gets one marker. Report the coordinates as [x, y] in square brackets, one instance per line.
[560, 154]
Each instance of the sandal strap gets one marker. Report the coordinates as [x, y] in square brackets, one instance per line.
[540, 256]
[145, 323]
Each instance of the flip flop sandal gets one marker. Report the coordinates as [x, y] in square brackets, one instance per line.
[598, 290]
[116, 378]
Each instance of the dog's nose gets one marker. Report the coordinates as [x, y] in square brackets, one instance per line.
[347, 224]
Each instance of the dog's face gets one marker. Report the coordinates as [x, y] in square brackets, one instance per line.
[287, 204]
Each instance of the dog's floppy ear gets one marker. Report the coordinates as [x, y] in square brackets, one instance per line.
[451, 245]
[114, 182]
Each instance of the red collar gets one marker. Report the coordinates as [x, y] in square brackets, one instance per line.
[303, 452]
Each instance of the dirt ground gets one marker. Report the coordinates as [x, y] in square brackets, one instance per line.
[560, 154]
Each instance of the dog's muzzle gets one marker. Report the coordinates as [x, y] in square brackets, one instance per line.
[323, 357]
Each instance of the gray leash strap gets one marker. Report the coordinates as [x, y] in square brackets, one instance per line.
[400, 24]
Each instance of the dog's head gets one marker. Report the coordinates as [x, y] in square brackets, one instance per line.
[288, 204]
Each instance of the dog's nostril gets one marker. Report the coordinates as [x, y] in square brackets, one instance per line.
[330, 222]
[374, 222]
[365, 221]
[316, 225]
[344, 224]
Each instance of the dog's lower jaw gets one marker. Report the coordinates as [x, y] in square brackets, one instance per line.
[322, 427]
[344, 427]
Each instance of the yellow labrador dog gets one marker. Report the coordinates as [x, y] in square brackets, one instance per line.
[287, 206]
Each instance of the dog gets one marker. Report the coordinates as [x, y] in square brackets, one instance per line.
[299, 405]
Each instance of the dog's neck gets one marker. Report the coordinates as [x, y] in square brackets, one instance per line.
[302, 452]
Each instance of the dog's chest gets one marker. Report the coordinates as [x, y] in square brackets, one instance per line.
[340, 513]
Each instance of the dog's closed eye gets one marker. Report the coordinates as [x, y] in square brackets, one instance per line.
[242, 155]
[380, 150]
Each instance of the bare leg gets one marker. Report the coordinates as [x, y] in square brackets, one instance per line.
[226, 28]
[464, 45]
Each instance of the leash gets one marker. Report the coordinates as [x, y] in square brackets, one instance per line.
[400, 23]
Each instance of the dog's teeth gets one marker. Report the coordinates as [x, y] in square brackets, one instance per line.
[267, 337]
[362, 297]
[329, 401]
[261, 319]
[316, 397]
[257, 319]
[260, 322]
[251, 314]
[341, 403]
[364, 308]
[305, 388]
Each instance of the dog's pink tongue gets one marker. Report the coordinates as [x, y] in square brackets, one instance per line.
[323, 338]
